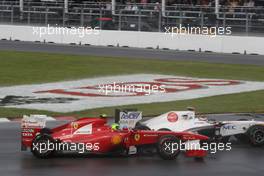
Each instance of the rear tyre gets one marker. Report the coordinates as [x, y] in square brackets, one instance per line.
[256, 135]
[168, 147]
[43, 146]
[45, 131]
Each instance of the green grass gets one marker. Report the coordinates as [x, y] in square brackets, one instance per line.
[27, 68]
[18, 68]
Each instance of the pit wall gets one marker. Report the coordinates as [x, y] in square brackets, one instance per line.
[224, 44]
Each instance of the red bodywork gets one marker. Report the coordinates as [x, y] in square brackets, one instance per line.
[108, 139]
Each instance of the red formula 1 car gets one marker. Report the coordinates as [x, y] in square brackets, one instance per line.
[93, 135]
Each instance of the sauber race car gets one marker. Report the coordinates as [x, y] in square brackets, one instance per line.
[93, 135]
[246, 130]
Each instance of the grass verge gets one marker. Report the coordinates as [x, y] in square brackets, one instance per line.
[18, 68]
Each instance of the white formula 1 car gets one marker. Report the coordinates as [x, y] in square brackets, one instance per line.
[246, 130]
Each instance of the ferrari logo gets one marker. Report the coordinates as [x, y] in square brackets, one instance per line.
[75, 126]
[137, 137]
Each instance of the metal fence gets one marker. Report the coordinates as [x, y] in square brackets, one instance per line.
[146, 17]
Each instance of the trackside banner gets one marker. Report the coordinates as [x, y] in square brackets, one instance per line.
[118, 90]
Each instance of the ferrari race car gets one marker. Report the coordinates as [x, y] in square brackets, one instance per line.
[246, 130]
[93, 135]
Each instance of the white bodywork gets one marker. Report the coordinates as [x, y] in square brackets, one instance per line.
[87, 129]
[237, 127]
[34, 121]
[186, 121]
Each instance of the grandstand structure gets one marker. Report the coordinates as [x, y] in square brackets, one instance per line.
[246, 17]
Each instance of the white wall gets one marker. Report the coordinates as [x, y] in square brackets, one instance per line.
[225, 44]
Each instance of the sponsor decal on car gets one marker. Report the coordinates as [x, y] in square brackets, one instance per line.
[150, 135]
[110, 91]
[129, 119]
[87, 129]
[75, 125]
[137, 137]
[172, 117]
[229, 127]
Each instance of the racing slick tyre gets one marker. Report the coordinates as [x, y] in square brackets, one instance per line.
[45, 131]
[256, 135]
[168, 147]
[41, 146]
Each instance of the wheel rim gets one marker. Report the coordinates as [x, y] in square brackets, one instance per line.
[46, 151]
[167, 147]
[258, 136]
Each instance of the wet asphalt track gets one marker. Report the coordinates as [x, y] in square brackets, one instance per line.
[133, 53]
[241, 160]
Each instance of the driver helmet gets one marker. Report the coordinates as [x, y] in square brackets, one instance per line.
[115, 126]
[190, 108]
[103, 115]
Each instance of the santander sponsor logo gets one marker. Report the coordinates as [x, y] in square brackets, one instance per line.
[141, 88]
[172, 117]
[68, 96]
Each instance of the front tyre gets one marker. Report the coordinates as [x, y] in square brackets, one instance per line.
[43, 146]
[256, 135]
[168, 147]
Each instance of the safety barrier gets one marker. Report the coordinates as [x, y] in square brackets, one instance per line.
[156, 40]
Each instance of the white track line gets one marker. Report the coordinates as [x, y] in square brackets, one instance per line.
[4, 120]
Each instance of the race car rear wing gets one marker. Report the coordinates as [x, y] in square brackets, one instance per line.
[30, 127]
[33, 121]
[127, 118]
